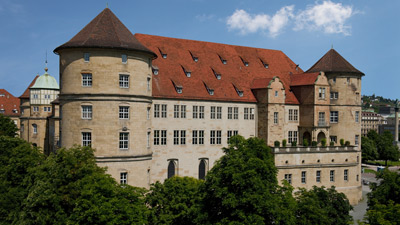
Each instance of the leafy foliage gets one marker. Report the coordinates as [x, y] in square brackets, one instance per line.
[7, 127]
[382, 214]
[322, 206]
[242, 187]
[175, 201]
[384, 145]
[368, 148]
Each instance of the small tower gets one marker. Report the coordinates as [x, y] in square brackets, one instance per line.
[105, 98]
[36, 108]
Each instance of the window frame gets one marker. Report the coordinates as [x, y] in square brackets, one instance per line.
[124, 114]
[123, 178]
[87, 112]
[87, 79]
[334, 117]
[123, 140]
[86, 138]
[124, 80]
[303, 177]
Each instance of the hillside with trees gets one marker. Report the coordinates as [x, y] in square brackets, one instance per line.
[374, 102]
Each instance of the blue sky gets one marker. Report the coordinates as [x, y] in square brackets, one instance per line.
[365, 32]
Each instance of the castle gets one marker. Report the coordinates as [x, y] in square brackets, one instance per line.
[154, 107]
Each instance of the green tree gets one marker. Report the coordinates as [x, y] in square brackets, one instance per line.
[322, 206]
[176, 201]
[242, 187]
[384, 144]
[17, 159]
[368, 148]
[69, 188]
[382, 214]
[7, 126]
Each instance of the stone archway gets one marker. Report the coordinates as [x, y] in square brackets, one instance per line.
[321, 135]
[307, 136]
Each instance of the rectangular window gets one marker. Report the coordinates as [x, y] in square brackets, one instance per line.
[201, 137]
[148, 113]
[230, 110]
[292, 136]
[332, 176]
[47, 109]
[124, 58]
[201, 112]
[276, 93]
[195, 137]
[183, 137]
[156, 110]
[219, 112]
[293, 114]
[86, 80]
[123, 81]
[276, 117]
[176, 137]
[235, 113]
[36, 108]
[183, 111]
[219, 134]
[288, 178]
[318, 176]
[163, 111]
[163, 137]
[123, 140]
[124, 112]
[321, 93]
[86, 57]
[148, 139]
[124, 178]
[246, 113]
[86, 112]
[252, 114]
[321, 119]
[334, 95]
[231, 133]
[176, 111]
[357, 116]
[35, 96]
[195, 112]
[213, 112]
[346, 175]
[333, 138]
[334, 117]
[156, 140]
[357, 137]
[212, 137]
[86, 139]
[303, 177]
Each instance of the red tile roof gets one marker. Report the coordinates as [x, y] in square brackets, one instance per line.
[333, 62]
[304, 79]
[105, 31]
[9, 104]
[202, 72]
[26, 92]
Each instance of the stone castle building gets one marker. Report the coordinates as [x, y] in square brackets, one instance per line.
[154, 107]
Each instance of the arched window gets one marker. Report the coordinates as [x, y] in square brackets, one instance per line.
[171, 168]
[34, 126]
[202, 169]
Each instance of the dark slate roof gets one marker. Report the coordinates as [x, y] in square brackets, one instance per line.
[105, 31]
[234, 74]
[333, 62]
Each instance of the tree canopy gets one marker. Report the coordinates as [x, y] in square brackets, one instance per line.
[368, 148]
[384, 145]
[7, 126]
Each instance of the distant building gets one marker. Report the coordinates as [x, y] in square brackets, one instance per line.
[386, 110]
[9, 106]
[371, 121]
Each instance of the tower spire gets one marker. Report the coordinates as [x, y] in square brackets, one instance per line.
[46, 69]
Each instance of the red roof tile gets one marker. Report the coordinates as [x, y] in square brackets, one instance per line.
[105, 31]
[9, 105]
[178, 54]
[333, 62]
[304, 79]
[26, 92]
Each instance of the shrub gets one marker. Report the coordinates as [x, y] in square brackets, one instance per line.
[347, 143]
[277, 143]
[314, 143]
[342, 142]
[332, 144]
[305, 142]
[323, 142]
[284, 143]
[294, 143]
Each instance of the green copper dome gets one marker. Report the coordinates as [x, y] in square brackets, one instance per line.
[46, 81]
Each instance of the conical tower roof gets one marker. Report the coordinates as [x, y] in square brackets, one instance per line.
[105, 31]
[333, 62]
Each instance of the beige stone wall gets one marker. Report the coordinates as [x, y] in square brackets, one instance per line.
[105, 96]
[296, 160]
[188, 155]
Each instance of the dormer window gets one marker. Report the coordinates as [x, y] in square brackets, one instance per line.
[238, 90]
[178, 87]
[15, 110]
[194, 57]
[223, 60]
[209, 89]
[2, 111]
[86, 56]
[179, 90]
[188, 73]
[163, 53]
[266, 65]
[124, 59]
[155, 70]
[217, 74]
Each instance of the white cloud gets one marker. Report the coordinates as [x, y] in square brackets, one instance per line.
[328, 16]
[247, 23]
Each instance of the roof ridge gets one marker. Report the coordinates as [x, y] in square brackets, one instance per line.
[115, 30]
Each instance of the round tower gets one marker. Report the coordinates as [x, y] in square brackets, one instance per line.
[105, 97]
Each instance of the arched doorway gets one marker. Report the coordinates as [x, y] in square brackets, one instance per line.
[171, 169]
[202, 169]
[321, 136]
[307, 136]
